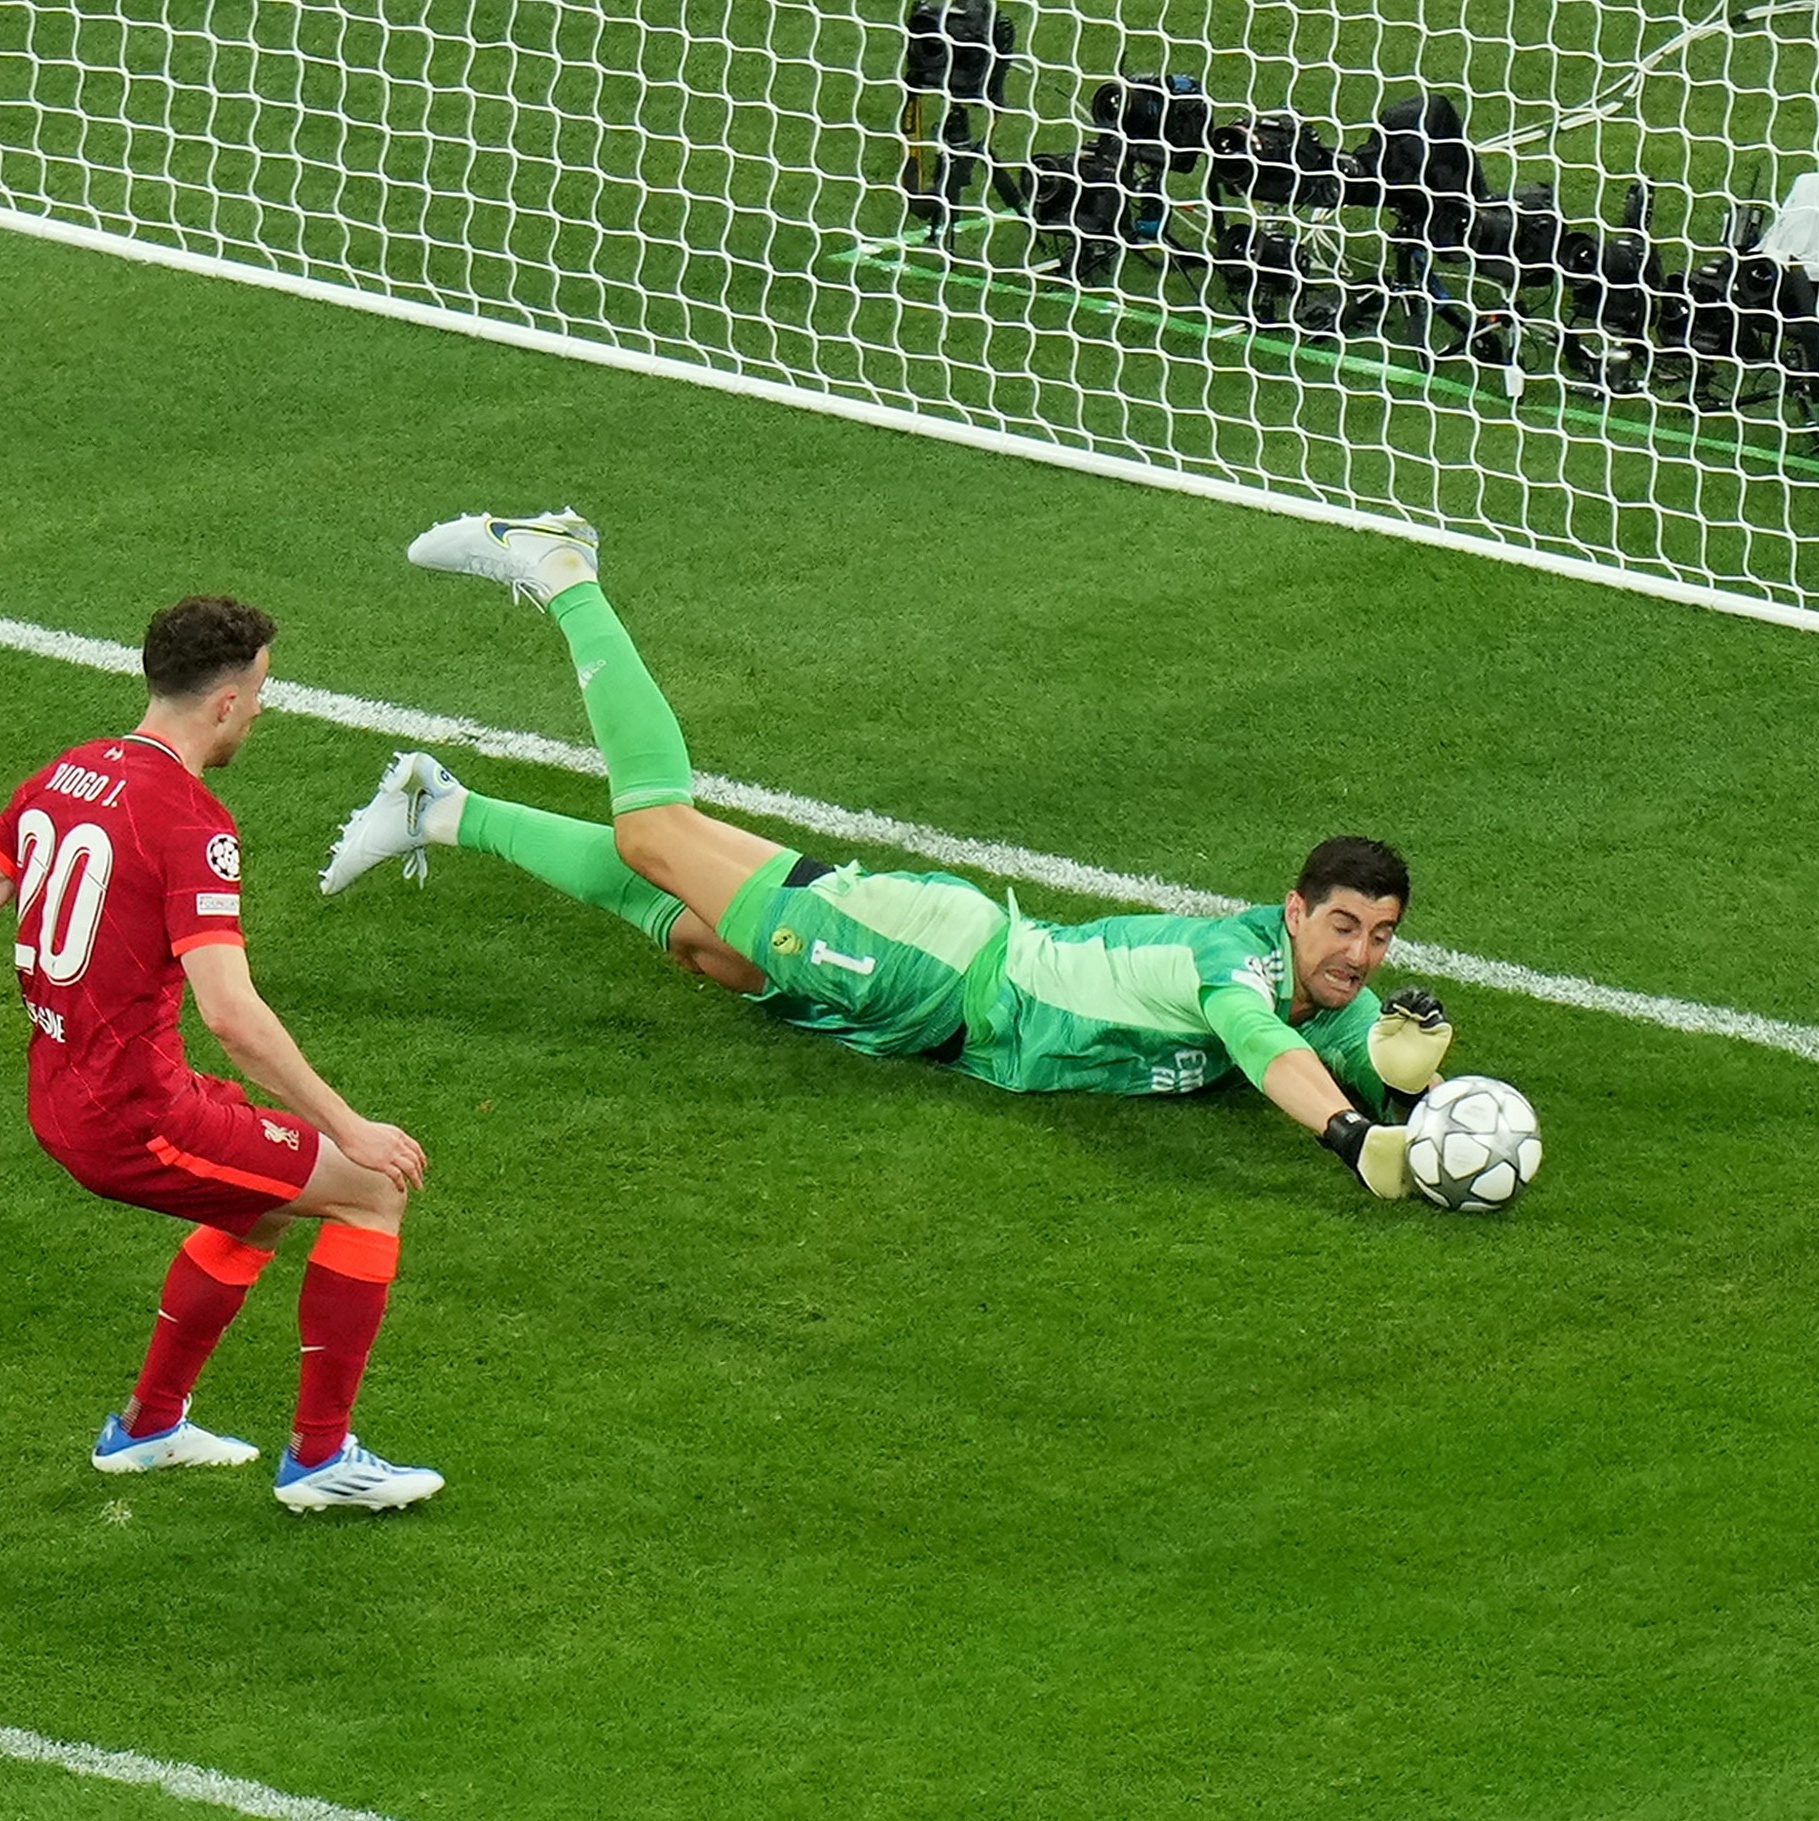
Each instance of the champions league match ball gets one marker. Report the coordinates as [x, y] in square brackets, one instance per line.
[1473, 1144]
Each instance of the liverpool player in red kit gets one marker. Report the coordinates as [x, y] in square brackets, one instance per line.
[126, 869]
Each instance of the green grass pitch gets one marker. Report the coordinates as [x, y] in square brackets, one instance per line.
[828, 1438]
[707, 181]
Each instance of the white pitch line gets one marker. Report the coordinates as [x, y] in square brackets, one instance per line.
[418, 728]
[187, 1782]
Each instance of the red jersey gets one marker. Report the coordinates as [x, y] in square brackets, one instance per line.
[123, 861]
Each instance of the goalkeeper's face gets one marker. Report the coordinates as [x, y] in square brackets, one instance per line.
[1338, 944]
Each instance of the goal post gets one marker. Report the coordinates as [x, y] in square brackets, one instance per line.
[1518, 281]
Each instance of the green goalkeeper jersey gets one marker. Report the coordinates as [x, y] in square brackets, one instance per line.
[923, 963]
[1150, 1005]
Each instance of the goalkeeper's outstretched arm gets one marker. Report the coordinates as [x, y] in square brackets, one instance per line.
[1298, 1082]
[1303, 1087]
[1287, 1070]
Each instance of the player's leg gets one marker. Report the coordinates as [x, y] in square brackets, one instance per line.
[585, 861]
[668, 847]
[225, 1166]
[551, 560]
[577, 858]
[204, 1290]
[420, 804]
[346, 1287]
[245, 1174]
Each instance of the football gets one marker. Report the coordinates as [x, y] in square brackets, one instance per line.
[1474, 1144]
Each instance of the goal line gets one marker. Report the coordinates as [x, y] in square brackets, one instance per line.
[1535, 280]
[885, 417]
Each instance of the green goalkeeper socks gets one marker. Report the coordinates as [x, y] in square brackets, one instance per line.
[577, 858]
[634, 727]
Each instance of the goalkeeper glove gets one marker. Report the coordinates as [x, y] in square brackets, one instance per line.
[1409, 1041]
[1378, 1154]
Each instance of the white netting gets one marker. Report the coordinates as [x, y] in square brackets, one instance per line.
[1289, 269]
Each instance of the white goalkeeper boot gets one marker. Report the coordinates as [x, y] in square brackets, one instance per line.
[418, 801]
[537, 557]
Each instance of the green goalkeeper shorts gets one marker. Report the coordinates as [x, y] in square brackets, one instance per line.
[875, 960]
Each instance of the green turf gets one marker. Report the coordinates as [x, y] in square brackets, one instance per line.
[827, 1437]
[696, 182]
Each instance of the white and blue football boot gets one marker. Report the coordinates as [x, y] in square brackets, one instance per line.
[184, 1444]
[391, 827]
[356, 1477]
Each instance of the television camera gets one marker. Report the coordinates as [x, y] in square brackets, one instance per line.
[955, 62]
[1105, 198]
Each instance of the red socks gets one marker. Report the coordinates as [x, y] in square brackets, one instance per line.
[345, 1287]
[207, 1283]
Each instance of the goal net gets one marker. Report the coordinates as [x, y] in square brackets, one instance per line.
[1536, 276]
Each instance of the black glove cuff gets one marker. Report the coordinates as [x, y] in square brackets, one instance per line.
[1345, 1134]
[1399, 1103]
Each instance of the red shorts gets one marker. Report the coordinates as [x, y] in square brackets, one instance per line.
[213, 1158]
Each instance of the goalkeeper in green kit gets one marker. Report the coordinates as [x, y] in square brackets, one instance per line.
[900, 964]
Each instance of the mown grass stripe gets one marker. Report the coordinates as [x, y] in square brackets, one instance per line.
[420, 728]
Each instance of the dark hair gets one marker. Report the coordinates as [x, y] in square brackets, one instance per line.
[203, 639]
[1353, 863]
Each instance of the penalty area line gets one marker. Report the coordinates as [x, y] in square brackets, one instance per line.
[417, 727]
[187, 1782]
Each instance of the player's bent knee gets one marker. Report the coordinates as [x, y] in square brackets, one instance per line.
[340, 1189]
[649, 840]
[267, 1233]
[702, 861]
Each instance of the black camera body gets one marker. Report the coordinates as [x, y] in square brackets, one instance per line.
[958, 48]
[1161, 122]
[1743, 307]
[1078, 192]
[1108, 195]
[1517, 239]
[1418, 164]
[1278, 160]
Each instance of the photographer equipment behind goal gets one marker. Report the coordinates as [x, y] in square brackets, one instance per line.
[1107, 197]
[1418, 166]
[955, 61]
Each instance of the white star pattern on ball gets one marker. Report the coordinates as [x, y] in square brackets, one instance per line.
[1474, 1144]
